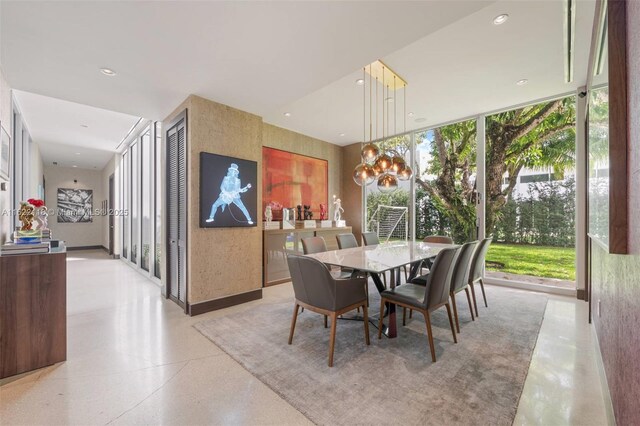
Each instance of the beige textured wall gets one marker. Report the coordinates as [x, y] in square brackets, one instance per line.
[351, 193]
[286, 140]
[222, 261]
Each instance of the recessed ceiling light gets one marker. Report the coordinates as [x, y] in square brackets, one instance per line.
[108, 72]
[420, 120]
[342, 134]
[410, 114]
[522, 82]
[360, 81]
[74, 165]
[77, 153]
[84, 125]
[500, 19]
[287, 114]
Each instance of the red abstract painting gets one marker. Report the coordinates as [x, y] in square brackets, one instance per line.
[290, 179]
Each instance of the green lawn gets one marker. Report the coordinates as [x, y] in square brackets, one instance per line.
[539, 261]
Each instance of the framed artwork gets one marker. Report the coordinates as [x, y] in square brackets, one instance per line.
[290, 179]
[75, 205]
[5, 154]
[228, 191]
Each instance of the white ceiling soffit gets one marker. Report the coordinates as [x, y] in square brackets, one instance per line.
[57, 127]
[467, 68]
[255, 56]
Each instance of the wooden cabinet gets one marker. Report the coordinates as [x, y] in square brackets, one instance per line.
[33, 312]
[278, 242]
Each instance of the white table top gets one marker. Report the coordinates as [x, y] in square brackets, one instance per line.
[382, 257]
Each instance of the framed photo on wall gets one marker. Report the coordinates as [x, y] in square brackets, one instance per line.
[5, 154]
[228, 191]
[75, 205]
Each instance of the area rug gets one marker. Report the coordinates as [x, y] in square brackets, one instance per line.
[476, 381]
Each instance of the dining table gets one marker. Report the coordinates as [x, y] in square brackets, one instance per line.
[379, 259]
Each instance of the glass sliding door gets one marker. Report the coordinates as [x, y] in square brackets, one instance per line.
[135, 201]
[158, 199]
[530, 193]
[445, 177]
[146, 168]
[126, 204]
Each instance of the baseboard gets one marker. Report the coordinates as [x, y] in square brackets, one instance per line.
[224, 302]
[540, 288]
[85, 248]
[581, 294]
[606, 394]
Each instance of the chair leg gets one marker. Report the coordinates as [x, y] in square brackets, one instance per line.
[410, 313]
[453, 330]
[466, 290]
[358, 309]
[484, 296]
[366, 323]
[473, 293]
[301, 309]
[455, 310]
[293, 322]
[332, 339]
[381, 317]
[404, 316]
[427, 319]
[325, 322]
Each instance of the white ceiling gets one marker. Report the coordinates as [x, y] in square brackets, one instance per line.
[56, 126]
[467, 68]
[303, 57]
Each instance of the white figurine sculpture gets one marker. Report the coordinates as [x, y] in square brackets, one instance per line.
[338, 210]
[268, 213]
[285, 214]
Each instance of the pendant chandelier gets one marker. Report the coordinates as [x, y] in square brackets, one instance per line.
[380, 163]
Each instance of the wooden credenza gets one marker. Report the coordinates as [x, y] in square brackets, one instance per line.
[33, 312]
[278, 242]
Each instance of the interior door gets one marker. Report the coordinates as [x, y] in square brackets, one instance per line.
[176, 148]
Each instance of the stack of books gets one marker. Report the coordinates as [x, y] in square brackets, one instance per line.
[46, 235]
[12, 249]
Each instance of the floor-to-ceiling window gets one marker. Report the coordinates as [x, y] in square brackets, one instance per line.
[530, 193]
[525, 191]
[141, 195]
[445, 178]
[146, 168]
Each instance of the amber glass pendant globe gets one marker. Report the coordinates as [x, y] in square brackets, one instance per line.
[377, 170]
[387, 183]
[397, 164]
[369, 153]
[363, 174]
[383, 162]
[405, 174]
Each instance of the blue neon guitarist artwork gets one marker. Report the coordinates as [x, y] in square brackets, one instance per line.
[231, 204]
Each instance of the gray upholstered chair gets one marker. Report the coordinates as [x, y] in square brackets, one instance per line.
[346, 241]
[437, 239]
[370, 239]
[311, 245]
[318, 291]
[475, 272]
[460, 280]
[426, 299]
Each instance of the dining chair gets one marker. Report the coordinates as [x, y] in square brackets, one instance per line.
[460, 280]
[370, 239]
[346, 241]
[426, 299]
[318, 291]
[475, 272]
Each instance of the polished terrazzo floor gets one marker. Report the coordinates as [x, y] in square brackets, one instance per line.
[133, 358]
